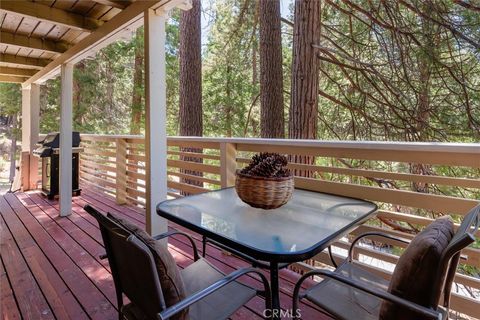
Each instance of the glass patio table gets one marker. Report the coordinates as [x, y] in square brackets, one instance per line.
[295, 232]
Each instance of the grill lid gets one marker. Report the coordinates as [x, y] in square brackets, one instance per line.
[52, 141]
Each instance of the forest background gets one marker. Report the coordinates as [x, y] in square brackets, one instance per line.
[403, 70]
[388, 70]
[406, 70]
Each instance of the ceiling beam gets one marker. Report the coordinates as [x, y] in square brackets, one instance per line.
[53, 15]
[112, 30]
[120, 4]
[17, 72]
[22, 41]
[12, 79]
[38, 63]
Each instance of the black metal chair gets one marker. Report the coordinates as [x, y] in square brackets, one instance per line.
[210, 293]
[351, 292]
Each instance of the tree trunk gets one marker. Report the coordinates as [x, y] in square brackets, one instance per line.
[190, 87]
[255, 96]
[136, 115]
[423, 99]
[190, 72]
[271, 74]
[422, 122]
[302, 123]
[229, 107]
[137, 106]
[78, 110]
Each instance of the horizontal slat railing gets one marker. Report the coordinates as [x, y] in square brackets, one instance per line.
[376, 171]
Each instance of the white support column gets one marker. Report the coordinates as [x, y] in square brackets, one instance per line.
[65, 178]
[34, 114]
[26, 120]
[34, 132]
[30, 127]
[25, 157]
[155, 119]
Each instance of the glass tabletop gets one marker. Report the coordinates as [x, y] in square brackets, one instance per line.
[302, 227]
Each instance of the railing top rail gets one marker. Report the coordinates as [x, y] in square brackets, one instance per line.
[473, 148]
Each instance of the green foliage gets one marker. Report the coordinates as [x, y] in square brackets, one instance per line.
[102, 93]
[171, 57]
[392, 72]
[10, 106]
[50, 106]
[10, 99]
[388, 72]
[228, 91]
[103, 88]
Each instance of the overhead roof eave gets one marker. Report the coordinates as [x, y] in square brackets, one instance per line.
[75, 36]
[126, 21]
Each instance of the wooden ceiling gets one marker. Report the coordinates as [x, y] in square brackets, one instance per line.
[34, 33]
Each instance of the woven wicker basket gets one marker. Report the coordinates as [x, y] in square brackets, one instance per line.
[265, 193]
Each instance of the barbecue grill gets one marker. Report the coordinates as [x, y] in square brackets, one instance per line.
[48, 151]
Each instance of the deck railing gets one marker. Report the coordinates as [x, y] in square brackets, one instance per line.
[411, 182]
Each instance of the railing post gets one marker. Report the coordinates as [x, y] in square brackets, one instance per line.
[25, 170]
[228, 164]
[121, 171]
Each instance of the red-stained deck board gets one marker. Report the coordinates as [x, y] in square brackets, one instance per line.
[92, 300]
[93, 269]
[31, 302]
[63, 273]
[81, 219]
[85, 238]
[126, 211]
[8, 305]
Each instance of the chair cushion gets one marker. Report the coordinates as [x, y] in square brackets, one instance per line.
[132, 312]
[416, 269]
[222, 303]
[171, 281]
[345, 302]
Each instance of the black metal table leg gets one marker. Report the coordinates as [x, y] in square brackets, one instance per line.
[275, 290]
[204, 246]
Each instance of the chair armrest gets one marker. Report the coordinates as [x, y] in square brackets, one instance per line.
[421, 310]
[373, 234]
[196, 256]
[179, 306]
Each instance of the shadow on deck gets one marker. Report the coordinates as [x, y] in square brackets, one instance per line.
[50, 266]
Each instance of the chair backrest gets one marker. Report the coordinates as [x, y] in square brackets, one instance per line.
[133, 267]
[464, 236]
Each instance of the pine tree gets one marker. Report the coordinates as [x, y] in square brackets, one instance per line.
[271, 75]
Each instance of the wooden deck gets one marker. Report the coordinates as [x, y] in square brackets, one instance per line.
[50, 266]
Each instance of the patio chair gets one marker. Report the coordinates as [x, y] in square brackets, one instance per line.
[145, 272]
[416, 288]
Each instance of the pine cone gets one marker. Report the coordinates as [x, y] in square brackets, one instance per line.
[283, 173]
[267, 168]
[248, 168]
[267, 165]
[256, 159]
